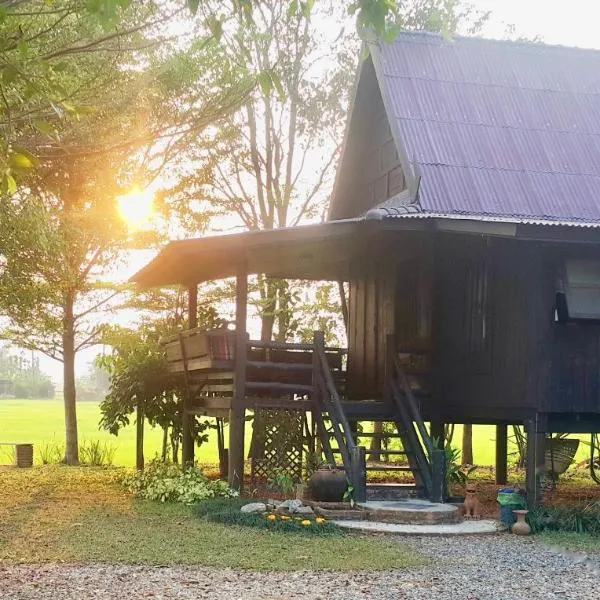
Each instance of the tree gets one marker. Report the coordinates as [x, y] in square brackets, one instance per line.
[140, 382]
[130, 107]
[271, 163]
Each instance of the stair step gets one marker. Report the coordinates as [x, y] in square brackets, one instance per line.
[257, 364]
[403, 468]
[383, 452]
[388, 452]
[392, 491]
[284, 387]
[371, 434]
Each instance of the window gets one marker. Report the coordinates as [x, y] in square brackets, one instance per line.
[578, 293]
[475, 323]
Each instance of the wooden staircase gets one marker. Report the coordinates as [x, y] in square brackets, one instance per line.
[399, 406]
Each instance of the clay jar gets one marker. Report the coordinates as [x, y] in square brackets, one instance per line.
[521, 527]
[327, 485]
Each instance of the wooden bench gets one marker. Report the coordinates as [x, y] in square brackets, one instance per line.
[23, 453]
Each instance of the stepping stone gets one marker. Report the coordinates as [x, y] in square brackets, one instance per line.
[411, 511]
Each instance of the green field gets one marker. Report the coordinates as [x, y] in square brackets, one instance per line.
[42, 421]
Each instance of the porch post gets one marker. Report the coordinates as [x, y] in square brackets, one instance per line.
[193, 307]
[501, 454]
[237, 414]
[187, 419]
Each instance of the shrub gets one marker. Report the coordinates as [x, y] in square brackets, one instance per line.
[170, 483]
[578, 519]
[227, 512]
[95, 453]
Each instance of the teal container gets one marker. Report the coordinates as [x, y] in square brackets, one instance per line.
[509, 501]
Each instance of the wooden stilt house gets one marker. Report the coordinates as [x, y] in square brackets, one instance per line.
[466, 221]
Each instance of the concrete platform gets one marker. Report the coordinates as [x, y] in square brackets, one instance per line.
[482, 527]
[411, 511]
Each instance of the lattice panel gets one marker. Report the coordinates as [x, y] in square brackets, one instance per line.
[276, 444]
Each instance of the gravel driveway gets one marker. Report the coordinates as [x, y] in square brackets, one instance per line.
[498, 568]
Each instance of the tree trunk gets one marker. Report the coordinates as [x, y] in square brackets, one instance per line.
[467, 444]
[69, 393]
[269, 299]
[165, 443]
[375, 446]
[139, 437]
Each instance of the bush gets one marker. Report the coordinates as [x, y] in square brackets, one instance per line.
[95, 453]
[170, 483]
[577, 519]
[227, 512]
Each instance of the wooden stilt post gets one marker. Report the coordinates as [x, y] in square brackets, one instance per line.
[359, 473]
[535, 460]
[237, 414]
[501, 454]
[188, 419]
[437, 432]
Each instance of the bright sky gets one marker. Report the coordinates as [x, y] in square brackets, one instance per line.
[569, 23]
[572, 23]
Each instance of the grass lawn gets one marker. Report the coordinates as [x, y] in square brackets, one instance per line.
[79, 515]
[42, 421]
[573, 542]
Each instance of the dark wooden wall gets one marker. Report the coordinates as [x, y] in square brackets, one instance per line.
[490, 322]
[370, 171]
[482, 310]
[527, 363]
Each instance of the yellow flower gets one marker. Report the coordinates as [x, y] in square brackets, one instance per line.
[272, 518]
[306, 523]
[320, 520]
[285, 518]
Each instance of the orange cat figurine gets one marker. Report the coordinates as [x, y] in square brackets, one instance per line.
[472, 505]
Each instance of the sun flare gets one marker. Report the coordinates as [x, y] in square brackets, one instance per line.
[136, 208]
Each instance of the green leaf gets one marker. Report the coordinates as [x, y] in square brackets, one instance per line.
[215, 26]
[20, 161]
[292, 9]
[9, 184]
[9, 74]
[266, 82]
[44, 127]
[276, 80]
[306, 8]
[193, 6]
[23, 48]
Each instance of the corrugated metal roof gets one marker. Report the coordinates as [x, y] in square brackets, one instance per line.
[498, 129]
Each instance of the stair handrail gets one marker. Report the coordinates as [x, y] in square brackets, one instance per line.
[335, 397]
[328, 389]
[411, 402]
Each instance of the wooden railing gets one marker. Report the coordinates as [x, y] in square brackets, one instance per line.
[327, 399]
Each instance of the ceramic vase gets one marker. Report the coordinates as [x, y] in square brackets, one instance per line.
[521, 527]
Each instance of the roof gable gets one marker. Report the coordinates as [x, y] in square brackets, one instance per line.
[495, 129]
[372, 167]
